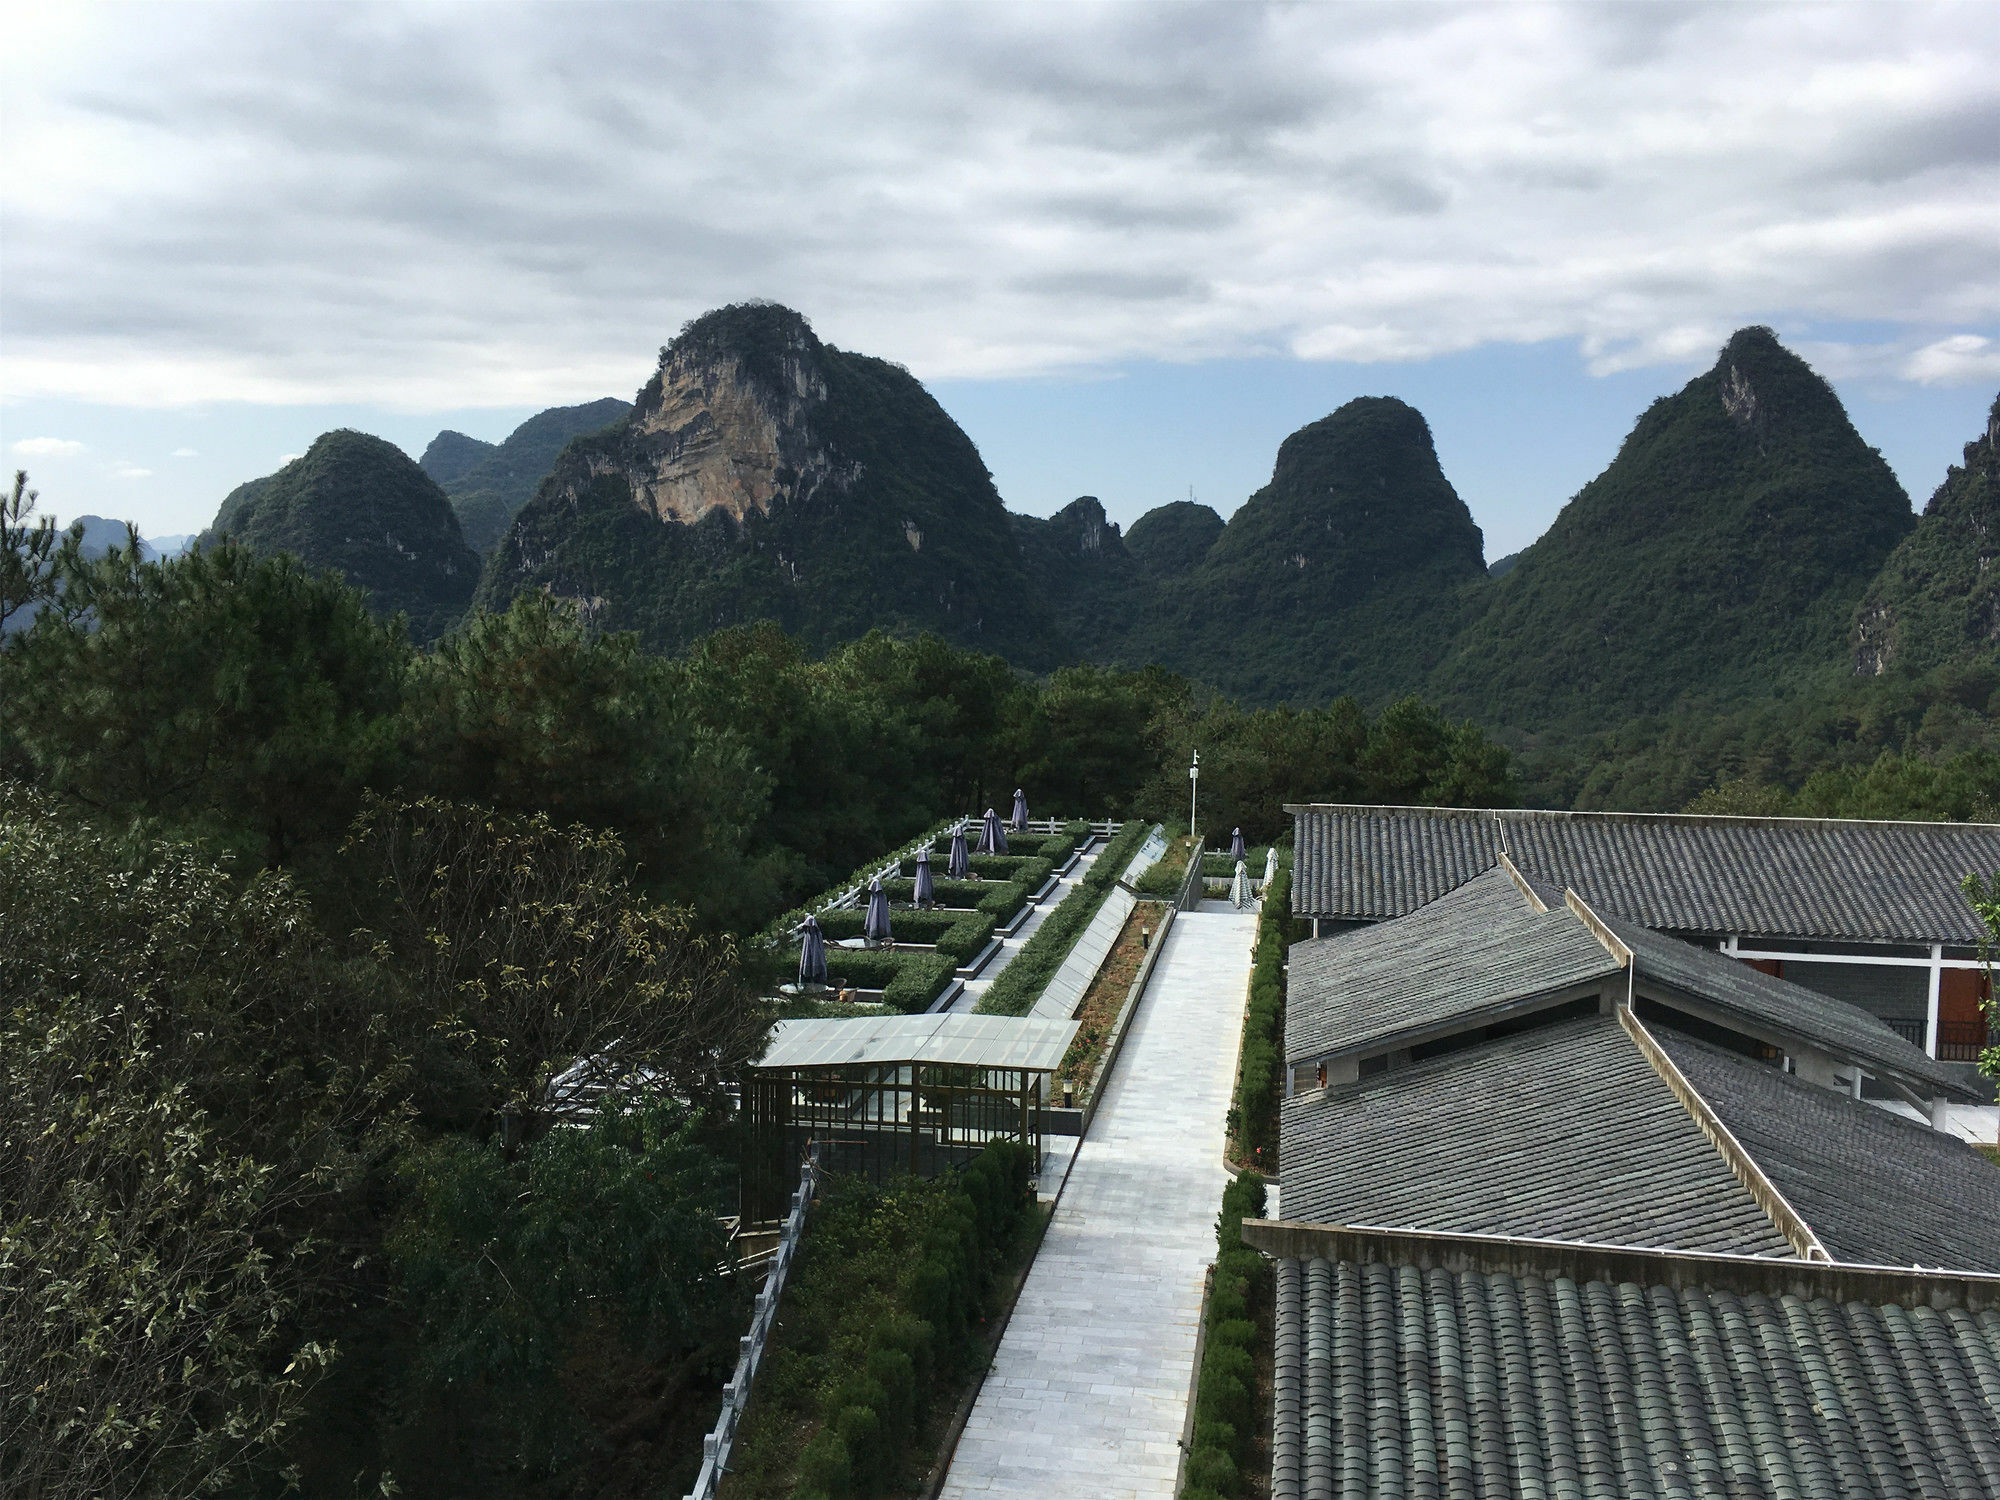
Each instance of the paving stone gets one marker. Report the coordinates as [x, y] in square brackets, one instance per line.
[1088, 1391]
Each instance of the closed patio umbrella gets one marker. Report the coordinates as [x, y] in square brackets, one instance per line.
[992, 837]
[925, 892]
[812, 953]
[1020, 824]
[875, 927]
[1236, 843]
[959, 865]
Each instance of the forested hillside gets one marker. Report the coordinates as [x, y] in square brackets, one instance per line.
[1937, 600]
[358, 504]
[1720, 555]
[1698, 613]
[489, 482]
[764, 475]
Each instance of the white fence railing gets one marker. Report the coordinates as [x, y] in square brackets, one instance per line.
[736, 1394]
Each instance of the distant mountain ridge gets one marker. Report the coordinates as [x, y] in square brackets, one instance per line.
[763, 474]
[1743, 541]
[360, 505]
[489, 482]
[1723, 551]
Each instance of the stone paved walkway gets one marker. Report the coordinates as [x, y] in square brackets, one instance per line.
[1088, 1392]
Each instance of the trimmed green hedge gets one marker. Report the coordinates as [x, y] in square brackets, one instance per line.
[1260, 1071]
[957, 934]
[908, 981]
[1000, 898]
[1166, 875]
[869, 1420]
[1214, 864]
[779, 929]
[1021, 983]
[1054, 847]
[1029, 869]
[1225, 1402]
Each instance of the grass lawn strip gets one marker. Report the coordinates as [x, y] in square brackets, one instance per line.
[1021, 983]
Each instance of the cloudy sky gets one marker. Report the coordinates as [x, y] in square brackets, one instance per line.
[1129, 247]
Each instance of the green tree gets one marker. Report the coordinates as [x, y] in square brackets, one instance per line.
[191, 1086]
[544, 971]
[1985, 898]
[215, 685]
[33, 555]
[529, 712]
[507, 1266]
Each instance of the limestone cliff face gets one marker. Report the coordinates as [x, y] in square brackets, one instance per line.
[715, 436]
[765, 475]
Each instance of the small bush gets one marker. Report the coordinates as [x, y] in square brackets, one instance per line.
[1225, 1400]
[1260, 1072]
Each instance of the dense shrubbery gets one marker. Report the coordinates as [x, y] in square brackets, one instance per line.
[1169, 872]
[1965, 788]
[883, 1312]
[1225, 1402]
[1021, 983]
[908, 981]
[1259, 1075]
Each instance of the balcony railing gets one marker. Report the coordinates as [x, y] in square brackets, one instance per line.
[1961, 1041]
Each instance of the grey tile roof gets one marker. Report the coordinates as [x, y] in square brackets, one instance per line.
[1846, 1030]
[1785, 877]
[1474, 948]
[1563, 1132]
[1875, 1188]
[1395, 1381]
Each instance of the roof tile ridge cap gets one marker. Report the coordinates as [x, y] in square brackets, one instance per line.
[1742, 1165]
[1521, 882]
[1599, 929]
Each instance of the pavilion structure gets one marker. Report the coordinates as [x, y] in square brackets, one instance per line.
[887, 1095]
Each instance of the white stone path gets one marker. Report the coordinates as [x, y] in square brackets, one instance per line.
[1088, 1391]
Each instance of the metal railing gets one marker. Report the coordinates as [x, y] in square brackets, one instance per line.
[715, 1445]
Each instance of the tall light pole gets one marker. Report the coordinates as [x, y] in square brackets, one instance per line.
[1194, 785]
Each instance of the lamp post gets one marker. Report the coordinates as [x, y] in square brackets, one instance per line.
[1194, 785]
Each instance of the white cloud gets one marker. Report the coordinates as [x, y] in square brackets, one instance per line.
[1962, 359]
[445, 207]
[185, 453]
[47, 447]
[123, 470]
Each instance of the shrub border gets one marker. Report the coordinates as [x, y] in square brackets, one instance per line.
[1021, 983]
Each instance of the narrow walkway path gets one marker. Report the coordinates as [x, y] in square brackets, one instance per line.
[1089, 1389]
[975, 989]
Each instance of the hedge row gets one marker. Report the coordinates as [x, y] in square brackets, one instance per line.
[1260, 1072]
[780, 927]
[1225, 1401]
[1054, 847]
[1218, 864]
[1021, 867]
[1021, 983]
[908, 981]
[958, 934]
[871, 1418]
[1000, 898]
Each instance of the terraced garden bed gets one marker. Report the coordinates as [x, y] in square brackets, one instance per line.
[958, 934]
[1105, 999]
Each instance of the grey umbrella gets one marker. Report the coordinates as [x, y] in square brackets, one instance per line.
[876, 925]
[959, 865]
[1235, 843]
[925, 892]
[1020, 811]
[992, 837]
[812, 953]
